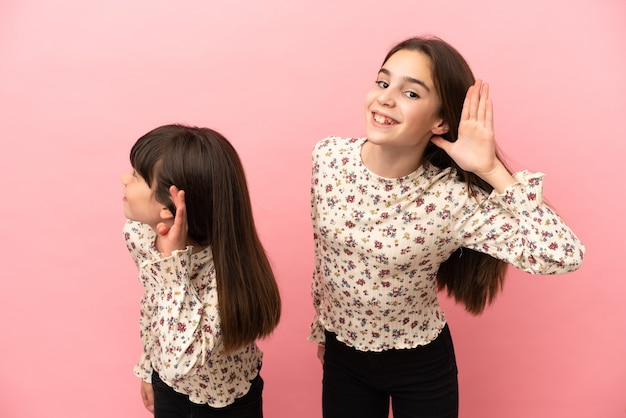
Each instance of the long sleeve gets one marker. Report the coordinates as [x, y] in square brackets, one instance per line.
[379, 243]
[317, 330]
[182, 324]
[519, 228]
[143, 369]
[139, 239]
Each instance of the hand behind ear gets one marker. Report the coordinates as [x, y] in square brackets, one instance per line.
[474, 150]
[174, 237]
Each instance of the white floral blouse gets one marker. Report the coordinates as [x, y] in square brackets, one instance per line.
[379, 243]
[180, 327]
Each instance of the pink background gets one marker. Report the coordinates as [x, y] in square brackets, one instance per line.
[82, 80]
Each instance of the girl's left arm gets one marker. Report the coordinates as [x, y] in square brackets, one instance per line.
[513, 224]
[517, 226]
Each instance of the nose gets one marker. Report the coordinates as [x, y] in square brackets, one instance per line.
[124, 178]
[385, 98]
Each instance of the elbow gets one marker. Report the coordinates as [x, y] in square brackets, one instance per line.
[572, 257]
[563, 262]
[578, 258]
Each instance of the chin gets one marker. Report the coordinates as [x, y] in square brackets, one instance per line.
[377, 137]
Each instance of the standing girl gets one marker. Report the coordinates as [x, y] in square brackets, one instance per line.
[209, 289]
[421, 202]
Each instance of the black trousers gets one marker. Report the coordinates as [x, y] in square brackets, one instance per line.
[170, 404]
[420, 382]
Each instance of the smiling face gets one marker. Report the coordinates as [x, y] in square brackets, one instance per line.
[403, 108]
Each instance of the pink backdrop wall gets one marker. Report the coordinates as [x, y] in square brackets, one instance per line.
[80, 81]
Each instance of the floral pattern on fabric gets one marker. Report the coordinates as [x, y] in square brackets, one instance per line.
[180, 326]
[379, 243]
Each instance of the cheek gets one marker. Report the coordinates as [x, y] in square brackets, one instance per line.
[370, 97]
[420, 111]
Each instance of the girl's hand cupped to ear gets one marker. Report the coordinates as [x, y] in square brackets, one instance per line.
[174, 237]
[475, 148]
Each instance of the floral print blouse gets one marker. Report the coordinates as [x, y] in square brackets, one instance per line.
[180, 326]
[379, 243]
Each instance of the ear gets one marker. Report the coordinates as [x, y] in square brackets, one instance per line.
[166, 213]
[441, 128]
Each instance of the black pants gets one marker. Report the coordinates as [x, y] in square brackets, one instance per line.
[421, 382]
[170, 404]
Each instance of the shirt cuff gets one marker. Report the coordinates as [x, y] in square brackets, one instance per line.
[317, 333]
[170, 270]
[526, 194]
[143, 373]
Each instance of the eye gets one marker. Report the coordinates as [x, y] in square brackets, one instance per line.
[382, 84]
[134, 173]
[411, 95]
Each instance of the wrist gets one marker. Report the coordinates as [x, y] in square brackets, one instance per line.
[498, 177]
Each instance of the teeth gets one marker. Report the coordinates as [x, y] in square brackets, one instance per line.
[383, 120]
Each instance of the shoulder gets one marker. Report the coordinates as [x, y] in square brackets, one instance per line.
[137, 231]
[443, 176]
[448, 180]
[335, 143]
[139, 239]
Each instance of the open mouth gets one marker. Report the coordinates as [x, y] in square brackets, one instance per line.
[383, 120]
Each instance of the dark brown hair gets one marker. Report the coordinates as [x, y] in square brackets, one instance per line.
[205, 165]
[471, 277]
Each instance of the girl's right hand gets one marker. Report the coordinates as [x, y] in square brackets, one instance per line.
[174, 237]
[320, 353]
[147, 395]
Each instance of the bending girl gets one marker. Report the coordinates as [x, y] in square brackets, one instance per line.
[209, 289]
[421, 202]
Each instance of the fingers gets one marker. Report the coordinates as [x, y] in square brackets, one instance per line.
[162, 228]
[477, 103]
[175, 194]
[178, 197]
[442, 143]
[474, 99]
[482, 102]
[147, 396]
[321, 350]
[489, 113]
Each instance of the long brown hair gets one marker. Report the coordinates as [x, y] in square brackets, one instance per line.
[471, 277]
[205, 165]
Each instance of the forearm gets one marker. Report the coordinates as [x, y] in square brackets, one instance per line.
[178, 319]
[516, 226]
[143, 368]
[317, 330]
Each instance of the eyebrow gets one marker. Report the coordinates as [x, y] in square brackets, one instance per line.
[406, 78]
